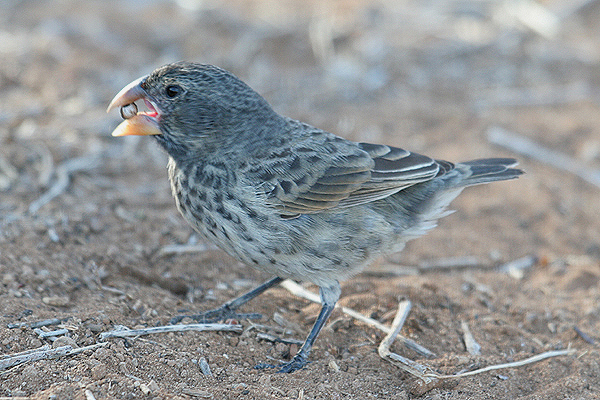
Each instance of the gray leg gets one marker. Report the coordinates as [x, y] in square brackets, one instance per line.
[329, 296]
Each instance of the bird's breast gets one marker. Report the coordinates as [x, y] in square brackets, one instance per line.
[210, 198]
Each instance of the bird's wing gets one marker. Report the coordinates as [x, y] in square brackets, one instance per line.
[334, 173]
[395, 169]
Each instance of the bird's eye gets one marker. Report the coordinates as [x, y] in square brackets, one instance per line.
[173, 90]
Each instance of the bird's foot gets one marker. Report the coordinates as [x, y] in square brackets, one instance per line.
[222, 313]
[296, 363]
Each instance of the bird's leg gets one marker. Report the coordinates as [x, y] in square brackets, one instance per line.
[227, 310]
[329, 296]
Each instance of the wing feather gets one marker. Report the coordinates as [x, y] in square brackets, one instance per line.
[337, 173]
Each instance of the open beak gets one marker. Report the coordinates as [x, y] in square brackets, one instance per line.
[143, 123]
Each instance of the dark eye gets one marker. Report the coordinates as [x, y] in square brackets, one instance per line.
[173, 90]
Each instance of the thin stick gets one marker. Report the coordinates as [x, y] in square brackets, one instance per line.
[275, 339]
[170, 328]
[530, 360]
[299, 291]
[44, 353]
[42, 348]
[44, 334]
[15, 398]
[184, 248]
[410, 366]
[451, 263]
[425, 373]
[397, 324]
[63, 179]
[471, 344]
[36, 324]
[522, 145]
[584, 335]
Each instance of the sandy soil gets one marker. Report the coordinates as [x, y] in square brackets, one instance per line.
[432, 77]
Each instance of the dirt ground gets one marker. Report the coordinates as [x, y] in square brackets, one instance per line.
[89, 233]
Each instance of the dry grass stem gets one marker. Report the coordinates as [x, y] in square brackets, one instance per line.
[126, 332]
[471, 344]
[43, 353]
[529, 148]
[299, 291]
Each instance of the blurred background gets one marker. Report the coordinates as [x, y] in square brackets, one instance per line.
[437, 77]
[89, 231]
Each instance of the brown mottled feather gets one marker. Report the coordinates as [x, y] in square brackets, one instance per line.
[368, 173]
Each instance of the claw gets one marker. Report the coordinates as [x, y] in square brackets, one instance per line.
[296, 363]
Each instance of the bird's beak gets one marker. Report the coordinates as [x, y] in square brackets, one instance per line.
[143, 123]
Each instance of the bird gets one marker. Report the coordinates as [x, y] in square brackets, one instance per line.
[281, 195]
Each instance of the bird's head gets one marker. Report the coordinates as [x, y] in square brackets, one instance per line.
[192, 108]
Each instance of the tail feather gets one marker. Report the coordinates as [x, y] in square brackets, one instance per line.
[420, 206]
[487, 170]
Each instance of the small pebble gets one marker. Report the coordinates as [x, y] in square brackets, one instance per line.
[99, 372]
[204, 367]
[57, 301]
[153, 386]
[333, 366]
[8, 278]
[145, 389]
[53, 235]
[64, 341]
[293, 349]
[281, 348]
[264, 380]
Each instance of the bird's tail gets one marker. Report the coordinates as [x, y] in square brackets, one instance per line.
[485, 170]
[425, 203]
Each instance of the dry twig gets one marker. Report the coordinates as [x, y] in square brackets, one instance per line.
[184, 248]
[516, 268]
[429, 378]
[522, 145]
[126, 332]
[36, 324]
[471, 344]
[299, 291]
[43, 353]
[451, 263]
[49, 334]
[514, 364]
[275, 339]
[8, 174]
[584, 335]
[63, 179]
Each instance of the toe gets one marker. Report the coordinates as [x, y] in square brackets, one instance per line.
[294, 365]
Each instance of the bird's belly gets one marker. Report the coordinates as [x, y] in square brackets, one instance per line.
[319, 248]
